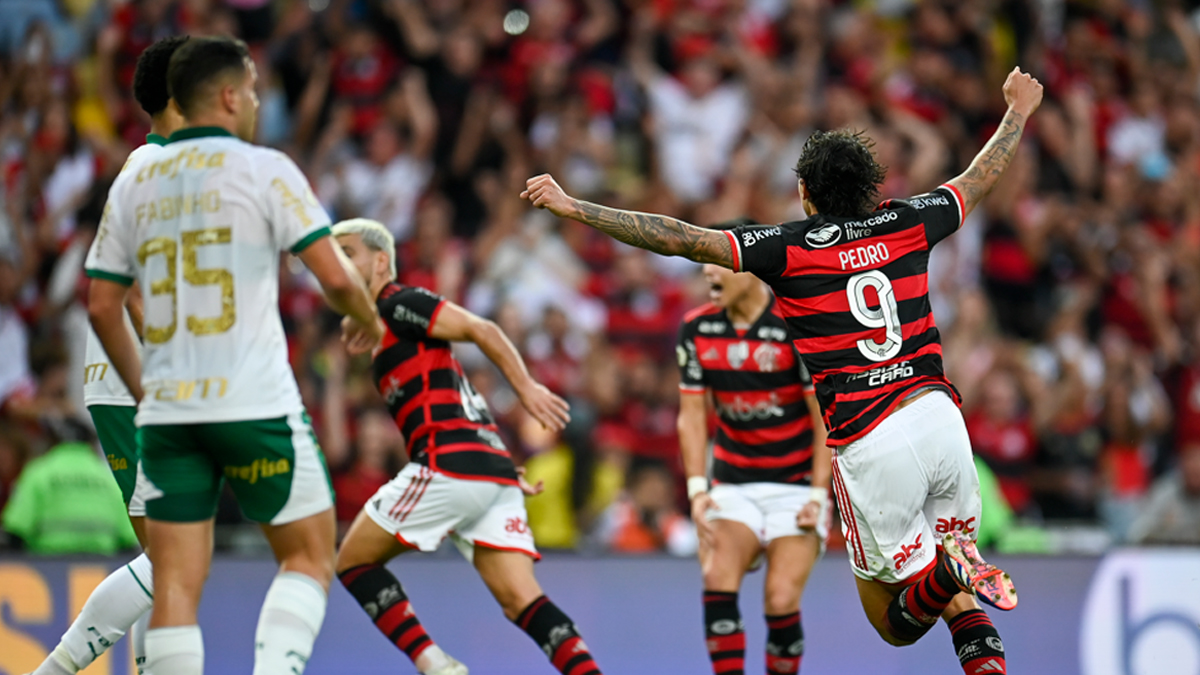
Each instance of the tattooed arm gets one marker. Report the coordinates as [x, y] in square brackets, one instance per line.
[1023, 94]
[660, 234]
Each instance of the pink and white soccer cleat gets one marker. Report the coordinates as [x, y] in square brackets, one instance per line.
[975, 575]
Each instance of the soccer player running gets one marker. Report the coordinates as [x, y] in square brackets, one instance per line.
[461, 481]
[770, 470]
[852, 283]
[121, 603]
[200, 224]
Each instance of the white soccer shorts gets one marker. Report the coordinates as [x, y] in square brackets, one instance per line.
[421, 507]
[142, 490]
[768, 509]
[903, 486]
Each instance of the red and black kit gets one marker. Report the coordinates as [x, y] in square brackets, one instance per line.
[764, 428]
[855, 292]
[445, 422]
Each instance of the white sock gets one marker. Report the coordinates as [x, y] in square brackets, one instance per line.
[138, 634]
[117, 602]
[291, 617]
[178, 650]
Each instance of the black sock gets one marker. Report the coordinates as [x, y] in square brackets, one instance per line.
[977, 643]
[785, 644]
[384, 601]
[917, 608]
[724, 632]
[558, 637]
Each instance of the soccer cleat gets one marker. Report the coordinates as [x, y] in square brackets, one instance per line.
[975, 575]
[452, 668]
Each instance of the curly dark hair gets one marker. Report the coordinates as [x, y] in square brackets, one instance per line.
[150, 74]
[840, 172]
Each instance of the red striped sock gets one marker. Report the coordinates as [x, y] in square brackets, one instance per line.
[558, 637]
[725, 634]
[384, 600]
[785, 644]
[977, 643]
[919, 606]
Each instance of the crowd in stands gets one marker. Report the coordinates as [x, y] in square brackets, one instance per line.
[1069, 303]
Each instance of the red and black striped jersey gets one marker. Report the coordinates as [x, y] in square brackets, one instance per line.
[764, 428]
[855, 293]
[445, 422]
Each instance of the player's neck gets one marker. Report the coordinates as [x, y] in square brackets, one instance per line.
[749, 307]
[378, 284]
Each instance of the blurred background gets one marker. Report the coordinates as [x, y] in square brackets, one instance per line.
[1069, 304]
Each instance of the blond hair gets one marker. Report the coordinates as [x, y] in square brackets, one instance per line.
[374, 235]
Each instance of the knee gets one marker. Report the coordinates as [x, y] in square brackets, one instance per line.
[781, 599]
[718, 578]
[512, 603]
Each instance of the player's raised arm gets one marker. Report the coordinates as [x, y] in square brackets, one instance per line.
[455, 324]
[1023, 94]
[344, 288]
[661, 234]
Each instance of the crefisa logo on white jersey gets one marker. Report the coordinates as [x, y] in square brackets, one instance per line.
[824, 236]
[1142, 614]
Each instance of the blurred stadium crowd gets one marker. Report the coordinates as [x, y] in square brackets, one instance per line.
[1070, 304]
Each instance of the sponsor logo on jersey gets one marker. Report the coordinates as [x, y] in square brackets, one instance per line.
[766, 356]
[681, 355]
[711, 327]
[743, 411]
[824, 236]
[905, 557]
[752, 237]
[737, 353]
[772, 333]
[945, 525]
[882, 375]
[874, 221]
[929, 200]
[851, 235]
[94, 372]
[402, 313]
[711, 354]
[118, 463]
[516, 525]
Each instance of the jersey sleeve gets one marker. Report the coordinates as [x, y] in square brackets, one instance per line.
[691, 374]
[112, 256]
[759, 249]
[296, 216]
[411, 312]
[942, 211]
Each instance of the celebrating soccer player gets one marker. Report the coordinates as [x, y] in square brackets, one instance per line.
[770, 464]
[852, 283]
[121, 603]
[461, 481]
[199, 224]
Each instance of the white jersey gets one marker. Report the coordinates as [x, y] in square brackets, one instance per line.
[200, 224]
[101, 383]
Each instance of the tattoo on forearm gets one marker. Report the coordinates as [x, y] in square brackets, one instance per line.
[995, 157]
[660, 234]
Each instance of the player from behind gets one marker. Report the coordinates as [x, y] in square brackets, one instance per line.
[122, 601]
[200, 224]
[852, 283]
[770, 466]
[461, 481]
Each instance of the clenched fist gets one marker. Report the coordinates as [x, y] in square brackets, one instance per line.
[545, 193]
[1022, 92]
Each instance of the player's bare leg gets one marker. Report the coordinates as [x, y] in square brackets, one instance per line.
[181, 554]
[902, 615]
[509, 576]
[789, 563]
[734, 548]
[294, 608]
[360, 567]
[119, 604]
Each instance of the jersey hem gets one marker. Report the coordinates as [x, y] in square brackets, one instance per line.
[310, 239]
[839, 442]
[112, 401]
[158, 419]
[109, 276]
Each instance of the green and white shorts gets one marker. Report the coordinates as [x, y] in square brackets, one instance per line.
[275, 467]
[118, 438]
